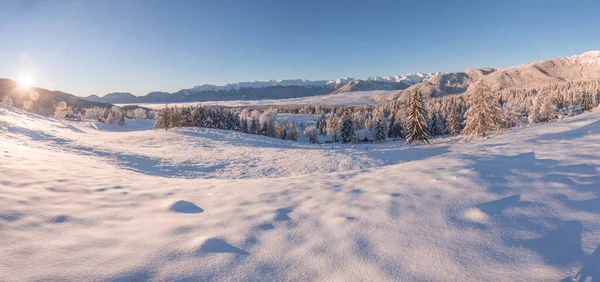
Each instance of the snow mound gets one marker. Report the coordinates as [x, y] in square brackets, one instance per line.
[182, 206]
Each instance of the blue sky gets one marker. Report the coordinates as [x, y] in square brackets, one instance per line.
[95, 47]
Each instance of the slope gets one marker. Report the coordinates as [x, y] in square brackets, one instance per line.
[522, 205]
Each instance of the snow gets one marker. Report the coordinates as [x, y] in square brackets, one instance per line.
[82, 204]
[346, 98]
[406, 78]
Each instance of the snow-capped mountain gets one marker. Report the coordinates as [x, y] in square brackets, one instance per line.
[272, 89]
[259, 84]
[583, 67]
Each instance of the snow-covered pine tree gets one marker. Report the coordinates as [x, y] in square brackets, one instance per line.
[254, 129]
[292, 134]
[323, 125]
[312, 133]
[416, 128]
[163, 119]
[347, 128]
[379, 131]
[244, 125]
[587, 101]
[264, 131]
[434, 126]
[484, 114]
[395, 130]
[454, 120]
[186, 117]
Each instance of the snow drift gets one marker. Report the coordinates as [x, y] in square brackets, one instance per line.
[80, 204]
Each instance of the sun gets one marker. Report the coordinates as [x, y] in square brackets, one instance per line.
[25, 81]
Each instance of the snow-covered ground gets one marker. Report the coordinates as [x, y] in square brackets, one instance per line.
[346, 98]
[88, 202]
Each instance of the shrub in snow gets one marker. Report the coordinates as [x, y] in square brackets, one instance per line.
[6, 100]
[293, 132]
[364, 135]
[60, 111]
[312, 133]
[95, 113]
[140, 113]
[115, 115]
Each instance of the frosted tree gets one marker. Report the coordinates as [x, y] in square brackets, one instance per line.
[60, 111]
[163, 118]
[347, 128]
[281, 131]
[264, 130]
[587, 101]
[416, 128]
[548, 109]
[379, 130]
[7, 100]
[322, 125]
[186, 117]
[435, 125]
[484, 114]
[312, 133]
[292, 134]
[395, 130]
[454, 120]
[244, 125]
[140, 113]
[254, 126]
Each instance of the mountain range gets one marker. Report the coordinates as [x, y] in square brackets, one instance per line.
[273, 89]
[581, 67]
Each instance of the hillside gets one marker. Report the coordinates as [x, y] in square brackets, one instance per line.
[584, 67]
[83, 202]
[42, 100]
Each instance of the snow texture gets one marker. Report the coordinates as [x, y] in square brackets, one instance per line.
[85, 203]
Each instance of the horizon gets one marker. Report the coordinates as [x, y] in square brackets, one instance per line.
[96, 48]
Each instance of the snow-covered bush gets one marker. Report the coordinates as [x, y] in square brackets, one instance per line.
[115, 115]
[6, 100]
[96, 113]
[60, 111]
[312, 133]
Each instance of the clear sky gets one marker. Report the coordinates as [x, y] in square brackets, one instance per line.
[99, 46]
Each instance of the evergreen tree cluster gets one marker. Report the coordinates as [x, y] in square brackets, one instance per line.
[227, 119]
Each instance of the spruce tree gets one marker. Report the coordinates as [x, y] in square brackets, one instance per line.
[484, 113]
[347, 129]
[265, 129]
[395, 130]
[254, 126]
[587, 101]
[417, 123]
[454, 121]
[379, 130]
[292, 134]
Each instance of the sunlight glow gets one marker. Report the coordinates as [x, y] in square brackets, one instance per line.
[25, 81]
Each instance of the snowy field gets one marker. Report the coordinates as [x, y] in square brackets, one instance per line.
[91, 202]
[347, 98]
